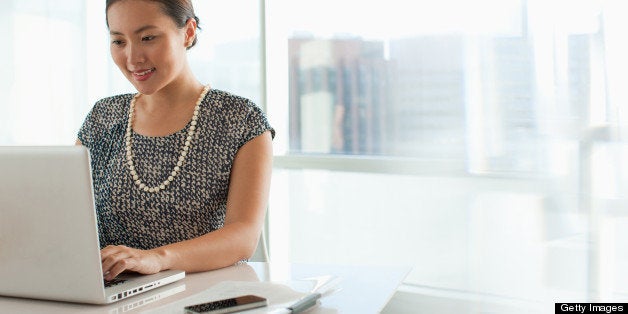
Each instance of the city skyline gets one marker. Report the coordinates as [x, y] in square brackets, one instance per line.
[478, 100]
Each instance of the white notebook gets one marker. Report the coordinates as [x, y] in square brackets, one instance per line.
[49, 246]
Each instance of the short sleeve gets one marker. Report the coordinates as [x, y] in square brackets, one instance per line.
[255, 124]
[91, 128]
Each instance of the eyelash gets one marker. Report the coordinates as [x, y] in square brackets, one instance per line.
[144, 38]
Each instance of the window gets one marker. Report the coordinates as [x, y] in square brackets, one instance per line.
[451, 136]
[43, 93]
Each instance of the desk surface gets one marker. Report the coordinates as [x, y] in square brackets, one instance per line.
[282, 284]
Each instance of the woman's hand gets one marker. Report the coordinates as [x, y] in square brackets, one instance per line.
[118, 258]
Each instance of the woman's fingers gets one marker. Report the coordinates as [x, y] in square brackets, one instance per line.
[112, 250]
[119, 267]
[117, 259]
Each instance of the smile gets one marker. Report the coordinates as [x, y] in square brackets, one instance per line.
[151, 70]
[143, 75]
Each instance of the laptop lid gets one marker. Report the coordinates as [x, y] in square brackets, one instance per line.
[49, 245]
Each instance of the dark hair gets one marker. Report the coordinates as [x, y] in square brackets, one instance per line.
[179, 10]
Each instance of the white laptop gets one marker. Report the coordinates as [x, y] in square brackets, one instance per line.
[49, 246]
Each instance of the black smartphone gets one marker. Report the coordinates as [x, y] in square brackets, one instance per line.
[231, 305]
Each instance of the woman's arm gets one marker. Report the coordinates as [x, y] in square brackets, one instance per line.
[237, 240]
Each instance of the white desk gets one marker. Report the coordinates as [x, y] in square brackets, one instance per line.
[361, 289]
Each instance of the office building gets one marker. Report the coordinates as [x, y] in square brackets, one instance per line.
[427, 117]
[338, 95]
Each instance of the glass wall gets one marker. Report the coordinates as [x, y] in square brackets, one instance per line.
[461, 138]
[43, 62]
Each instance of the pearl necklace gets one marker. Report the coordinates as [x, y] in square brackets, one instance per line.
[182, 155]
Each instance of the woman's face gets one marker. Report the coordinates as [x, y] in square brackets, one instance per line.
[146, 44]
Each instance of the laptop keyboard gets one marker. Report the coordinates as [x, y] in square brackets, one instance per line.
[113, 282]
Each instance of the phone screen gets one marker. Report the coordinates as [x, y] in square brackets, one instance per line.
[227, 305]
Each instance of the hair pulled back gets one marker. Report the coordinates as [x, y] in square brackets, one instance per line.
[180, 11]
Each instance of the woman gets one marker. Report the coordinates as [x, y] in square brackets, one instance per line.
[181, 171]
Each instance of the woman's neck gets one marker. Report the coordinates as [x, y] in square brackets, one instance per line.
[179, 94]
[167, 110]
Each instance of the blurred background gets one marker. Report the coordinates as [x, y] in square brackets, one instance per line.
[479, 142]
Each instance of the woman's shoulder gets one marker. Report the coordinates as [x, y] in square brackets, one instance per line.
[239, 113]
[115, 102]
[107, 115]
[227, 100]
[112, 106]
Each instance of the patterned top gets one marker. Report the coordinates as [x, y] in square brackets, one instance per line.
[195, 202]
